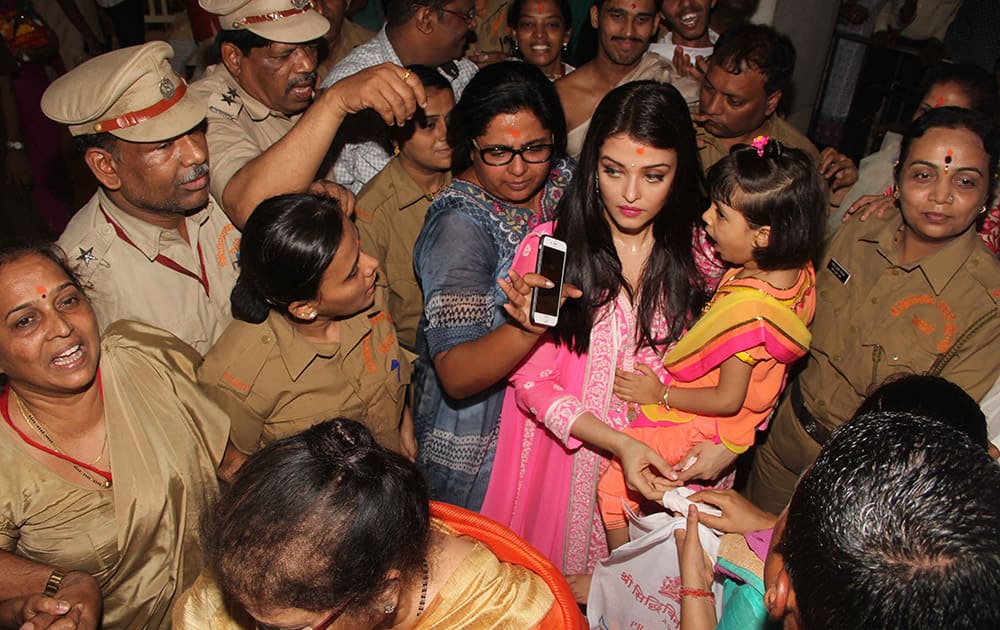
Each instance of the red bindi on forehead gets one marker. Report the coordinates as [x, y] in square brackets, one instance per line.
[939, 102]
[40, 290]
[640, 150]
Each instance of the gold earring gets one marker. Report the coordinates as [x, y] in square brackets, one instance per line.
[395, 149]
[311, 315]
[983, 211]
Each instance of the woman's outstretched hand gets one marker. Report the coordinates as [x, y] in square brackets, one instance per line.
[645, 471]
[738, 514]
[696, 569]
[517, 288]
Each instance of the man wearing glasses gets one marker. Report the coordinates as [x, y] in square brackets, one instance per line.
[258, 123]
[425, 32]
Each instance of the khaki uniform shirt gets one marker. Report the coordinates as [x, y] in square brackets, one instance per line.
[389, 214]
[274, 383]
[890, 318]
[240, 127]
[126, 277]
[139, 538]
[713, 150]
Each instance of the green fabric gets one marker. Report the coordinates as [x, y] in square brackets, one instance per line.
[743, 601]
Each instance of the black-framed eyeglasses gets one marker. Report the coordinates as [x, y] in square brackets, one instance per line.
[468, 16]
[501, 155]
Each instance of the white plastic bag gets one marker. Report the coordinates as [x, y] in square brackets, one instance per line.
[639, 586]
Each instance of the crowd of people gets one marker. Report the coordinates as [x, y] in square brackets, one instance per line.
[282, 369]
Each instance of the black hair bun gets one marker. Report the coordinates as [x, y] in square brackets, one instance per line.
[773, 149]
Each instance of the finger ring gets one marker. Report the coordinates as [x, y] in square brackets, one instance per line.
[406, 75]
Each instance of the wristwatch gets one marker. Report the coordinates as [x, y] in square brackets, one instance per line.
[17, 145]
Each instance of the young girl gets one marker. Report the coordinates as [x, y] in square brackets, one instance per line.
[725, 374]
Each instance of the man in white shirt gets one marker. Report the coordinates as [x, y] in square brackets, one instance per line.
[426, 32]
[689, 37]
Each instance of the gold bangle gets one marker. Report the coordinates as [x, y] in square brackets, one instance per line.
[55, 579]
[665, 398]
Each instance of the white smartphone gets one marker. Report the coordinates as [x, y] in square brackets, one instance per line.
[551, 264]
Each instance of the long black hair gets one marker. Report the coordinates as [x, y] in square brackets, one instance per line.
[670, 285]
[287, 244]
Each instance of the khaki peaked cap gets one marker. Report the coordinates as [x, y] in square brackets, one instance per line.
[131, 93]
[286, 21]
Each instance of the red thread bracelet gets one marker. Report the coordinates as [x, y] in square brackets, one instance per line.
[697, 592]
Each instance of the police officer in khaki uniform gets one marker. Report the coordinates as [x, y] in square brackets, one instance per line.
[893, 301]
[151, 245]
[264, 141]
[273, 383]
[312, 339]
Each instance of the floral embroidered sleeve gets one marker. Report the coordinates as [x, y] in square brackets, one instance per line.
[536, 382]
[540, 395]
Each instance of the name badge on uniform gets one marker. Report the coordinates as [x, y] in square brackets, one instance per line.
[838, 270]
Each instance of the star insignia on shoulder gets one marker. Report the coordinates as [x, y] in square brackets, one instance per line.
[230, 96]
[86, 255]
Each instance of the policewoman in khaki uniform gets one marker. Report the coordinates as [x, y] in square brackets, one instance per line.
[914, 293]
[391, 207]
[151, 245]
[312, 339]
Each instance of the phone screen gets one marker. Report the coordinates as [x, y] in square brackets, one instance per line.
[550, 265]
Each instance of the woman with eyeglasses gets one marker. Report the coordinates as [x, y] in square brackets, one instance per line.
[508, 135]
[327, 530]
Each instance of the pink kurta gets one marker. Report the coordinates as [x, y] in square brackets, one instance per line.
[544, 481]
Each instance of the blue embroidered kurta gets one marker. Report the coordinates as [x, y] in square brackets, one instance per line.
[467, 242]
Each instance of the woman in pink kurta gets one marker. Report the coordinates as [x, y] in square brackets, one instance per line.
[629, 249]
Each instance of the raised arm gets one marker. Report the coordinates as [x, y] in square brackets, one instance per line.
[291, 164]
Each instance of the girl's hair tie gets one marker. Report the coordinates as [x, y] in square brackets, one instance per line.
[766, 147]
[759, 143]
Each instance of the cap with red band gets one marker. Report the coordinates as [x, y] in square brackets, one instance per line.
[132, 93]
[287, 21]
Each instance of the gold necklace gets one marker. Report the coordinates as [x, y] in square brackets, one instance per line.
[37, 426]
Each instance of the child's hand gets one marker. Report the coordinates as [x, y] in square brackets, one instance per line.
[643, 387]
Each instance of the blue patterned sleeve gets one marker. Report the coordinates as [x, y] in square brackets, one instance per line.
[455, 259]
